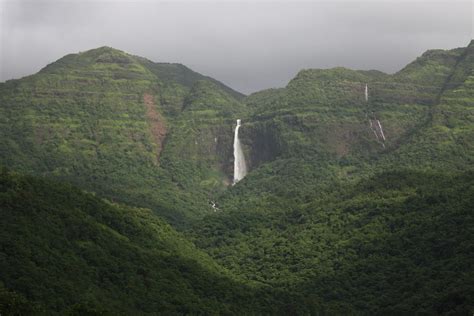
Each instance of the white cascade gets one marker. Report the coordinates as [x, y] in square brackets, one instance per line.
[373, 127]
[374, 130]
[381, 130]
[240, 168]
[214, 206]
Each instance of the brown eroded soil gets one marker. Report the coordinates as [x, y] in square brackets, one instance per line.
[156, 122]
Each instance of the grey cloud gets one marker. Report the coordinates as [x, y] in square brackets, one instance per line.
[249, 46]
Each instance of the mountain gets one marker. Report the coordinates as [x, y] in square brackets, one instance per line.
[352, 205]
[349, 220]
[100, 120]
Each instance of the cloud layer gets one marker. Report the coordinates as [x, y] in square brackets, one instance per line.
[247, 45]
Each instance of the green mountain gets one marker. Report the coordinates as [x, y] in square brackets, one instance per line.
[347, 219]
[351, 205]
[100, 120]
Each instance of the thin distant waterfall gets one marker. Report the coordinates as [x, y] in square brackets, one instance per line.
[381, 130]
[374, 123]
[240, 169]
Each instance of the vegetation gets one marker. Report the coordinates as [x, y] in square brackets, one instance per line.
[331, 218]
[83, 119]
[398, 242]
[70, 252]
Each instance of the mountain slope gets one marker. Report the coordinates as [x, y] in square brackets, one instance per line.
[322, 115]
[101, 119]
[66, 250]
[183, 75]
[399, 242]
[446, 139]
[355, 229]
[350, 205]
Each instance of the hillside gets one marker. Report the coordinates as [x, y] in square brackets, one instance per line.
[320, 125]
[398, 242]
[351, 205]
[158, 135]
[68, 251]
[64, 250]
[353, 223]
[100, 119]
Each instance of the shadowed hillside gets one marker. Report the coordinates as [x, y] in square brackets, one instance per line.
[68, 251]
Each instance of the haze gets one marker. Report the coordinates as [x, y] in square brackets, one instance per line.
[247, 45]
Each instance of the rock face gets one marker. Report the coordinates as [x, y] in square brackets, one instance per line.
[261, 140]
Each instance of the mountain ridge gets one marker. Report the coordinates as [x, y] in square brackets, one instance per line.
[350, 206]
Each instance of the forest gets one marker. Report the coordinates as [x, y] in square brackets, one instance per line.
[116, 192]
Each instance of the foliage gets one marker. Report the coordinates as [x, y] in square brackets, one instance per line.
[69, 251]
[82, 119]
[398, 242]
[329, 220]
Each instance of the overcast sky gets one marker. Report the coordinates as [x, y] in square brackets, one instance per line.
[247, 45]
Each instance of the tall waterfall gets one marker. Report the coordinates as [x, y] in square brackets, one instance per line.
[366, 93]
[240, 169]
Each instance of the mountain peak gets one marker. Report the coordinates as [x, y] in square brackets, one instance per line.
[105, 49]
[331, 74]
[89, 58]
[107, 54]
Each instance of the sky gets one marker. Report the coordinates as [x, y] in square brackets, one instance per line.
[248, 45]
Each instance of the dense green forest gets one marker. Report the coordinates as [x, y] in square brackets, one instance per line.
[68, 251]
[351, 205]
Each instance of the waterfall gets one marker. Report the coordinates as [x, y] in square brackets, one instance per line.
[374, 130]
[381, 130]
[214, 206]
[240, 169]
[374, 122]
